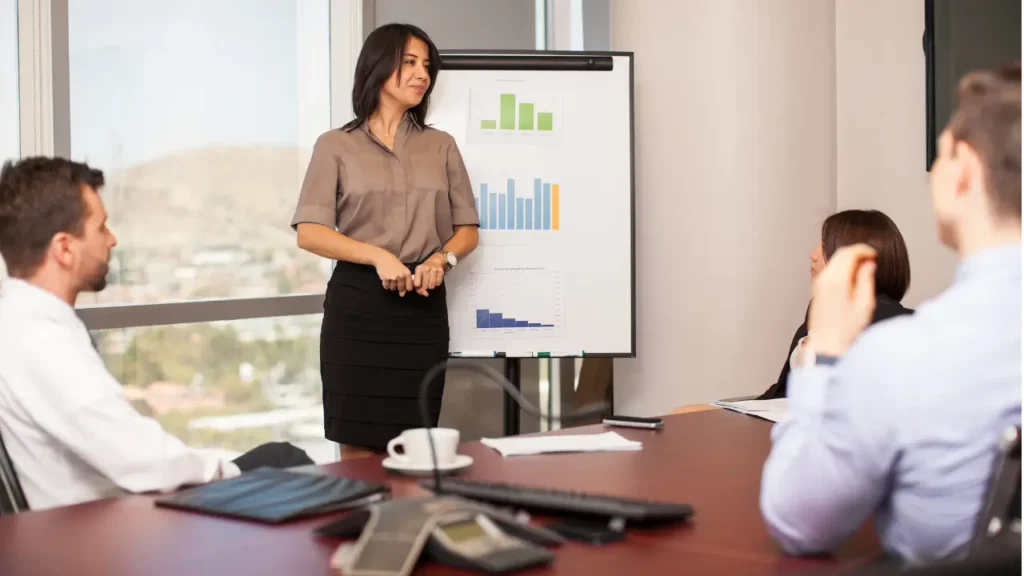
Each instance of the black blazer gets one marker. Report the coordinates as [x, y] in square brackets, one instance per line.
[885, 308]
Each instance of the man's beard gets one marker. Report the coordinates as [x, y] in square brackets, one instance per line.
[98, 282]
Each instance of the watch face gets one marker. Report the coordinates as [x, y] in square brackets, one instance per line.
[450, 257]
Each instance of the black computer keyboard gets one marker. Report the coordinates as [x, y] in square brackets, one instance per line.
[564, 501]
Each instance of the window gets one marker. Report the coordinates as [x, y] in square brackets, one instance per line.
[203, 116]
[226, 385]
[9, 111]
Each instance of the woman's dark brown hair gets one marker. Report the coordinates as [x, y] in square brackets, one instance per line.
[381, 55]
[871, 227]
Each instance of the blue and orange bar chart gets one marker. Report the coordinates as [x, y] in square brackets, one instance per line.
[506, 211]
[490, 319]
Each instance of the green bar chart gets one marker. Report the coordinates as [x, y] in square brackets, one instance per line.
[545, 121]
[524, 117]
[508, 112]
[507, 119]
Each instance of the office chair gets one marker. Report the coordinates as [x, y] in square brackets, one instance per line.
[996, 543]
[12, 499]
[992, 562]
[999, 522]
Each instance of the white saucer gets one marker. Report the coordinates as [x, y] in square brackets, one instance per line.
[461, 461]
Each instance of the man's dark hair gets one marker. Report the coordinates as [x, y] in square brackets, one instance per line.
[40, 197]
[987, 118]
[382, 54]
[871, 227]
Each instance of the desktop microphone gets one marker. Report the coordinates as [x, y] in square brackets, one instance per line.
[590, 411]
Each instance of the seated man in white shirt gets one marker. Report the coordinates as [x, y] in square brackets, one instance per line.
[67, 426]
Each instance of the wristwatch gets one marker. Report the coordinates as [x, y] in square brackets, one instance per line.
[806, 356]
[825, 360]
[450, 260]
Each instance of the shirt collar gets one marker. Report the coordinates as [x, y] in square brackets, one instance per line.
[29, 296]
[408, 120]
[1004, 257]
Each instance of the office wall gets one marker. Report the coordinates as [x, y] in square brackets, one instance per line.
[735, 165]
[881, 129]
[464, 24]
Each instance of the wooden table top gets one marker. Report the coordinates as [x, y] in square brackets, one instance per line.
[711, 460]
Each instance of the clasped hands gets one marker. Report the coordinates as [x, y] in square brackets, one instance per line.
[396, 276]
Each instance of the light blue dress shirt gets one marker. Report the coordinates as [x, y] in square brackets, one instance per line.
[906, 425]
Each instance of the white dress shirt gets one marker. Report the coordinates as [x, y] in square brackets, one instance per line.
[906, 425]
[71, 433]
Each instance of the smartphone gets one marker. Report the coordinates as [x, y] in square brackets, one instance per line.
[591, 532]
[633, 422]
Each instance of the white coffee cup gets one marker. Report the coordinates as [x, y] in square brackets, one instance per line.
[416, 447]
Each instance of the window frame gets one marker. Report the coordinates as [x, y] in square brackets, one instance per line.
[16, 72]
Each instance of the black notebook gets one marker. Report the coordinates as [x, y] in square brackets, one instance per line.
[273, 495]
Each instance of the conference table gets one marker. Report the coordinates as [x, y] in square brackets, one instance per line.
[711, 460]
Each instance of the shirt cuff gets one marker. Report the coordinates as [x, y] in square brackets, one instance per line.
[808, 387]
[465, 217]
[229, 470]
[315, 215]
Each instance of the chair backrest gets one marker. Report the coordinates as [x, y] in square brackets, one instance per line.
[12, 499]
[999, 522]
[993, 562]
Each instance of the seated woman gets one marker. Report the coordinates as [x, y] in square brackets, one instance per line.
[892, 276]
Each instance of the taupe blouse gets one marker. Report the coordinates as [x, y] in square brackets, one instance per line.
[407, 200]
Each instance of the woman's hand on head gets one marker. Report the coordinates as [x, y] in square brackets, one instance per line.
[393, 274]
[429, 275]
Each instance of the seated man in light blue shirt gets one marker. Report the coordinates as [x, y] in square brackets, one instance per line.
[903, 420]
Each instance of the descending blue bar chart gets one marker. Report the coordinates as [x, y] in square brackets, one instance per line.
[530, 301]
[487, 319]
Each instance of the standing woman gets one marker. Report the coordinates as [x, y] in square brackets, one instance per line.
[389, 199]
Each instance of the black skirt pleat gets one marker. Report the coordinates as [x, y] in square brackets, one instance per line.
[375, 349]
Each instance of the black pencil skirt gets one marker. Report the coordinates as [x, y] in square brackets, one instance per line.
[375, 349]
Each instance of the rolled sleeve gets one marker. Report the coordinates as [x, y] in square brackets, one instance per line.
[318, 199]
[460, 192]
[315, 215]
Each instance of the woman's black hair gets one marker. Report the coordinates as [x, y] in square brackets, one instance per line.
[382, 54]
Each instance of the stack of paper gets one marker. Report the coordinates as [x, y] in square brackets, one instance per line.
[773, 409]
[523, 445]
